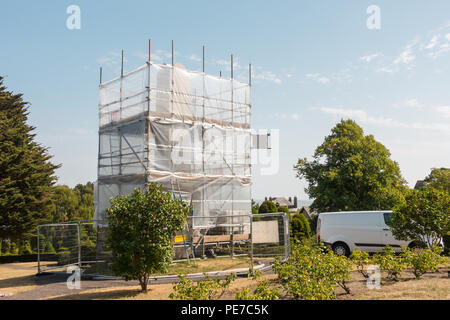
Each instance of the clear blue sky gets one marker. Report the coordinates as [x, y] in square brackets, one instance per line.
[315, 63]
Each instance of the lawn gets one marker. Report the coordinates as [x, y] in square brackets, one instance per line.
[16, 278]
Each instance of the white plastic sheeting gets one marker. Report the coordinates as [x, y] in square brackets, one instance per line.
[187, 130]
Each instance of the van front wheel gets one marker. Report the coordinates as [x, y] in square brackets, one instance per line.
[341, 249]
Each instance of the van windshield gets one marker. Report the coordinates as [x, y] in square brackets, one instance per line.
[387, 217]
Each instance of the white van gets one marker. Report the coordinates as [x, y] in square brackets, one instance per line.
[351, 230]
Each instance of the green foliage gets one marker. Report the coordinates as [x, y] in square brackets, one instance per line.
[300, 228]
[25, 247]
[262, 292]
[140, 232]
[439, 179]
[425, 216]
[284, 209]
[312, 273]
[201, 290]
[255, 207]
[268, 207]
[26, 173]
[361, 259]
[390, 263]
[13, 248]
[424, 260]
[313, 223]
[72, 204]
[351, 171]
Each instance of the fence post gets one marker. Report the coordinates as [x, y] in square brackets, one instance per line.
[287, 240]
[251, 241]
[38, 250]
[79, 244]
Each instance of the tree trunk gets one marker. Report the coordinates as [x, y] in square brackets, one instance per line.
[143, 281]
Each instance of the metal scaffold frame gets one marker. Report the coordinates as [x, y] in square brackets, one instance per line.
[163, 123]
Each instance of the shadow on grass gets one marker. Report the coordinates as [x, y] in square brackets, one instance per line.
[17, 282]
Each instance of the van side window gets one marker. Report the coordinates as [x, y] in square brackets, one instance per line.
[387, 217]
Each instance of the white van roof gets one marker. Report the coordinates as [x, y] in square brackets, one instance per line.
[355, 212]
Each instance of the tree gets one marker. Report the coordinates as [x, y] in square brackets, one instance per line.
[351, 171]
[268, 207]
[438, 178]
[64, 204]
[424, 217]
[26, 173]
[300, 228]
[141, 227]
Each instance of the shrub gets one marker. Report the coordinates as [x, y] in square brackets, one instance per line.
[262, 292]
[340, 267]
[268, 207]
[140, 232]
[389, 263]
[201, 290]
[300, 228]
[361, 260]
[424, 260]
[312, 273]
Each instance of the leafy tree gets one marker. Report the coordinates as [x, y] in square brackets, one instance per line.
[439, 178]
[64, 204]
[300, 228]
[424, 216]
[26, 173]
[141, 227]
[268, 207]
[351, 171]
[72, 204]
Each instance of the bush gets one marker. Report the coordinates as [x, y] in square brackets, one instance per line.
[361, 260]
[201, 290]
[424, 260]
[262, 292]
[312, 273]
[268, 207]
[388, 262]
[300, 228]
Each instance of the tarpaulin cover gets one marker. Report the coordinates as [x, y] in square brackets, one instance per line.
[187, 130]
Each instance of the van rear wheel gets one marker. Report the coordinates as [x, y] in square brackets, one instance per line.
[341, 249]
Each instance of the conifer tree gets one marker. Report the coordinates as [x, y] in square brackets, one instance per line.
[26, 173]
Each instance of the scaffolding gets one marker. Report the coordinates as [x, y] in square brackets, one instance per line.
[187, 130]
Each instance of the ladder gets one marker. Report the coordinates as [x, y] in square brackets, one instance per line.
[188, 248]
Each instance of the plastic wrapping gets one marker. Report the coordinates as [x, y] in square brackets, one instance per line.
[187, 130]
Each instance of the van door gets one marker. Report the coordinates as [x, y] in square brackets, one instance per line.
[387, 236]
[370, 232]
